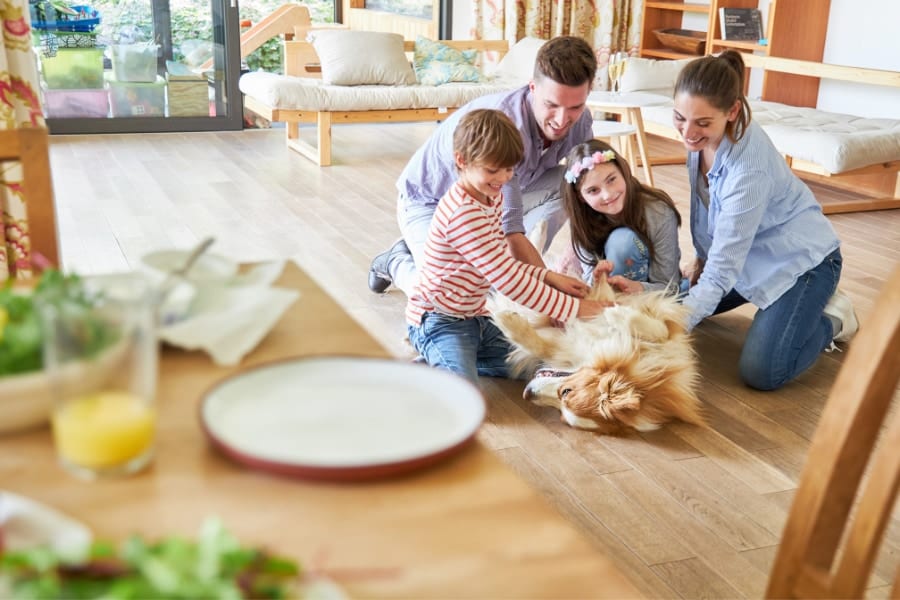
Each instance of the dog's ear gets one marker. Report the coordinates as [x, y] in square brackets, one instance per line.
[626, 400]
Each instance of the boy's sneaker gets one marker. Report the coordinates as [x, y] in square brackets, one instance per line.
[840, 308]
[379, 272]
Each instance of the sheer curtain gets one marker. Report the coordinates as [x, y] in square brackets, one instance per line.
[19, 107]
[608, 25]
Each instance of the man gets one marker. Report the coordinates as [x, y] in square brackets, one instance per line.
[549, 113]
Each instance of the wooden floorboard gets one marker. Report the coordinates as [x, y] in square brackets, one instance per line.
[685, 511]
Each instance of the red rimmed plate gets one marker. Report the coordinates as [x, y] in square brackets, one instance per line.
[341, 418]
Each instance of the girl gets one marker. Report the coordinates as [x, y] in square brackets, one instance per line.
[619, 225]
[759, 234]
[466, 254]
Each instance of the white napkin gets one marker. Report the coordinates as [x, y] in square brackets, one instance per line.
[25, 523]
[229, 321]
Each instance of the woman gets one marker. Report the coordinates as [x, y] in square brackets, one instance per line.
[759, 234]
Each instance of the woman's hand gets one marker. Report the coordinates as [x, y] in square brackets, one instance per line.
[693, 272]
[567, 285]
[625, 285]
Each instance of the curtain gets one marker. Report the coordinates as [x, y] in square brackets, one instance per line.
[609, 26]
[19, 107]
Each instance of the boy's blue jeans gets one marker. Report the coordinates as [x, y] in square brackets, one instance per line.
[468, 347]
[786, 338]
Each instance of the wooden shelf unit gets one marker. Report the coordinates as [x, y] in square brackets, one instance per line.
[795, 29]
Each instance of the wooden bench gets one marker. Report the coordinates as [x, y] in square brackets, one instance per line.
[301, 61]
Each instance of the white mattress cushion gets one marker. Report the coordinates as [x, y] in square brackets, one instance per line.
[837, 142]
[303, 93]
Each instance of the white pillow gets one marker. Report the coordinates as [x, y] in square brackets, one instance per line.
[651, 75]
[362, 58]
[518, 64]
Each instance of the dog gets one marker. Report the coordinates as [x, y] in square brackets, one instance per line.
[632, 366]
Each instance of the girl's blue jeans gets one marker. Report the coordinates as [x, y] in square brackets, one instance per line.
[469, 347]
[631, 257]
[786, 338]
[628, 253]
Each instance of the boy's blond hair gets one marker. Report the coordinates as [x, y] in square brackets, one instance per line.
[488, 137]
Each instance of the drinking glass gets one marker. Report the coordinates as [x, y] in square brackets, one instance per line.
[616, 68]
[101, 353]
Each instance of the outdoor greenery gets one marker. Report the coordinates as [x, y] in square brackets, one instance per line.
[129, 21]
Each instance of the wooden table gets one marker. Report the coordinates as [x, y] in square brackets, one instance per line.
[467, 527]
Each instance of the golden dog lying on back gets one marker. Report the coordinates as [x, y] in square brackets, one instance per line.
[631, 366]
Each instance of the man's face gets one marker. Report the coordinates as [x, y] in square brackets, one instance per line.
[557, 107]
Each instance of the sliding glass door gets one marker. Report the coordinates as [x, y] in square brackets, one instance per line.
[138, 65]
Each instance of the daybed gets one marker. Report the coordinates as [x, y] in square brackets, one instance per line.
[841, 150]
[319, 92]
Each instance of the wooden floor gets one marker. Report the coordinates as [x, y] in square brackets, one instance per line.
[686, 512]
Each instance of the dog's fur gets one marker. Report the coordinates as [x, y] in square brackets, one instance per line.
[631, 366]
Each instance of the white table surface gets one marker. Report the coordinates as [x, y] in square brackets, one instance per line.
[625, 99]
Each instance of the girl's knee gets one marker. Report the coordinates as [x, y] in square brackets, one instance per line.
[628, 253]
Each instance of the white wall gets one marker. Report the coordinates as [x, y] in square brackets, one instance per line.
[861, 33]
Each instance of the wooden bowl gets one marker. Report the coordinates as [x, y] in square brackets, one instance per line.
[682, 40]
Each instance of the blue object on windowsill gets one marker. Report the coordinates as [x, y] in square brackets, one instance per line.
[763, 42]
[85, 21]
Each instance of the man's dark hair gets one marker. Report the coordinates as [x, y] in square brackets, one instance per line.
[567, 60]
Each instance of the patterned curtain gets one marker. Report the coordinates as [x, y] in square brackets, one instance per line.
[610, 26]
[19, 107]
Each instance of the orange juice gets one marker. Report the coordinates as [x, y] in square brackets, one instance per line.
[104, 429]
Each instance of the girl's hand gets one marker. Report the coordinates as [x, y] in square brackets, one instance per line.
[623, 284]
[567, 285]
[693, 272]
[603, 267]
[591, 308]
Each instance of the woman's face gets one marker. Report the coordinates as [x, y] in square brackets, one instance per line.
[701, 125]
[604, 189]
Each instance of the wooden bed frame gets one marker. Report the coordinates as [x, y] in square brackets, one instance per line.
[300, 60]
[880, 182]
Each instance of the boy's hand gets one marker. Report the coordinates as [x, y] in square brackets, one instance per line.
[591, 308]
[567, 285]
[623, 284]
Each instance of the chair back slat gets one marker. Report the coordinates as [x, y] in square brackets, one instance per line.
[30, 147]
[839, 453]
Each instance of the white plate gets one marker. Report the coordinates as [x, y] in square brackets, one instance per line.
[341, 417]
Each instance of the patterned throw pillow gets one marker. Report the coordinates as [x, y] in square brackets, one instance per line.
[436, 63]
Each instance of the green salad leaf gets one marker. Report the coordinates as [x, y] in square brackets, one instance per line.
[21, 337]
[216, 565]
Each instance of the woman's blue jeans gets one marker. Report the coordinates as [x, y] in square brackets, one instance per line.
[469, 347]
[786, 338]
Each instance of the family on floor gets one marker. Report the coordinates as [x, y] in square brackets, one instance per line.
[494, 170]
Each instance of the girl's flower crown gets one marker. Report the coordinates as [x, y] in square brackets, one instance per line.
[587, 163]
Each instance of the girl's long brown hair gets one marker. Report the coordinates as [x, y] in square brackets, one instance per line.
[591, 229]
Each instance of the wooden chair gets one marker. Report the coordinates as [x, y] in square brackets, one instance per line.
[30, 147]
[817, 557]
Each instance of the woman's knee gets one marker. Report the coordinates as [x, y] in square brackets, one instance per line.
[761, 373]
